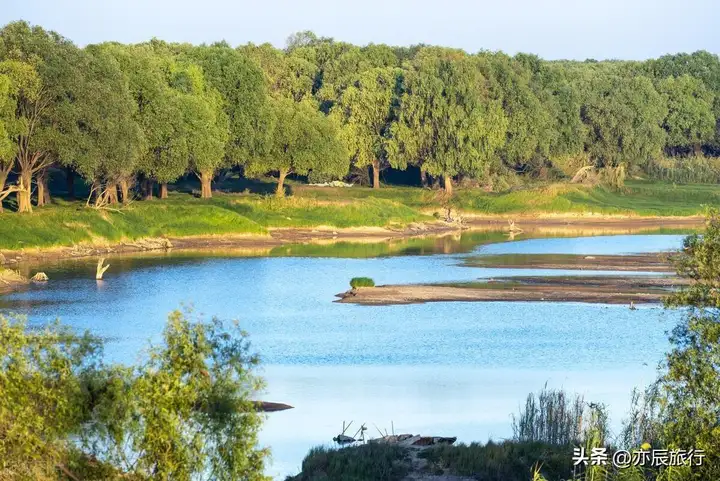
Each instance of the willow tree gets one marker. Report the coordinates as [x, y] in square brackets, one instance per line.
[157, 112]
[530, 131]
[447, 122]
[300, 140]
[690, 386]
[365, 111]
[286, 74]
[7, 145]
[17, 80]
[48, 113]
[110, 141]
[241, 85]
[690, 121]
[625, 117]
[204, 124]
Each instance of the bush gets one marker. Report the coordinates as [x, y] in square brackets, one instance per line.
[376, 462]
[685, 170]
[356, 282]
[506, 461]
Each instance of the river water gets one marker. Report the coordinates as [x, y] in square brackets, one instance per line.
[447, 369]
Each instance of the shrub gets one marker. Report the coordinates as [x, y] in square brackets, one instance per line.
[377, 462]
[356, 282]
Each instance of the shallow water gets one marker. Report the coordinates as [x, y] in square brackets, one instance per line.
[455, 369]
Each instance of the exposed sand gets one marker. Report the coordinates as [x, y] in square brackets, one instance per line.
[537, 225]
[413, 294]
[634, 263]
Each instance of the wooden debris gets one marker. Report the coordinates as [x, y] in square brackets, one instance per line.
[101, 269]
[40, 277]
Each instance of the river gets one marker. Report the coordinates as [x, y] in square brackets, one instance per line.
[448, 369]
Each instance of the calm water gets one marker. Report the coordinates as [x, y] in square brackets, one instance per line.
[455, 369]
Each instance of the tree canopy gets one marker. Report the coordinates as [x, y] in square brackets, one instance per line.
[173, 110]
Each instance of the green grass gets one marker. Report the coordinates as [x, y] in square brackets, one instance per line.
[636, 198]
[641, 198]
[309, 212]
[368, 462]
[506, 461]
[69, 223]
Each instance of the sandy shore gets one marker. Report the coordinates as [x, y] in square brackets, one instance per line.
[636, 289]
[639, 290]
[255, 244]
[628, 263]
[538, 225]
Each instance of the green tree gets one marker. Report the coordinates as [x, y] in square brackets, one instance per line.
[447, 123]
[625, 117]
[300, 140]
[530, 132]
[206, 130]
[187, 412]
[40, 406]
[690, 121]
[241, 84]
[690, 387]
[10, 128]
[110, 142]
[49, 113]
[157, 113]
[365, 111]
[288, 75]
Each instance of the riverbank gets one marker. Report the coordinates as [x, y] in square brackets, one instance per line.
[263, 243]
[11, 280]
[505, 291]
[637, 289]
[542, 209]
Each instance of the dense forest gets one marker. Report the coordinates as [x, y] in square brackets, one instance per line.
[131, 119]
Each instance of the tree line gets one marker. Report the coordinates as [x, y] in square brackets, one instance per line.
[127, 117]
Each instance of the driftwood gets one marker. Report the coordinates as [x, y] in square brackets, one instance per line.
[40, 277]
[513, 228]
[101, 269]
[582, 174]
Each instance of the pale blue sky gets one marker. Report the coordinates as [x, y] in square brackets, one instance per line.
[578, 29]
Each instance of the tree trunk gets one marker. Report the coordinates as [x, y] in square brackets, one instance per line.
[697, 148]
[23, 195]
[43, 193]
[3, 178]
[147, 189]
[125, 191]
[280, 191]
[206, 185]
[112, 193]
[70, 182]
[163, 190]
[376, 173]
[423, 178]
[448, 185]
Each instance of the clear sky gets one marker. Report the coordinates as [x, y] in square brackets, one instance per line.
[553, 29]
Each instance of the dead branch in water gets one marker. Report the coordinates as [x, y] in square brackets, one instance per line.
[101, 269]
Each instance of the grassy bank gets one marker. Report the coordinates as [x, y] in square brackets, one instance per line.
[68, 223]
[636, 198]
[507, 461]
[377, 462]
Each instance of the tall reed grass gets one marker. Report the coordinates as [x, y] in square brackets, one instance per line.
[685, 170]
